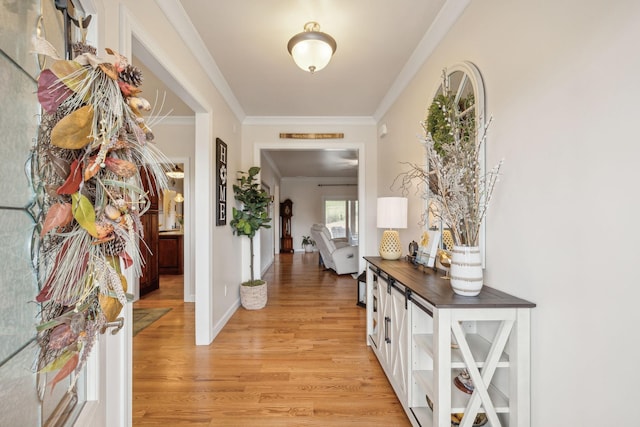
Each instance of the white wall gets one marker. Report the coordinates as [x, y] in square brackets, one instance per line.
[268, 240]
[562, 229]
[216, 251]
[308, 201]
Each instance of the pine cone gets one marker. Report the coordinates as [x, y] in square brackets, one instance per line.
[79, 48]
[114, 247]
[131, 75]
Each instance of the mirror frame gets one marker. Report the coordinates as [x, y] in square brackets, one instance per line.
[472, 76]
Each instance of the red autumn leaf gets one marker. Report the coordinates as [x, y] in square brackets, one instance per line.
[121, 167]
[128, 262]
[43, 295]
[72, 184]
[51, 92]
[65, 371]
[58, 215]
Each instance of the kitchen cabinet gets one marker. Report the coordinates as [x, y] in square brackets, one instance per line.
[170, 252]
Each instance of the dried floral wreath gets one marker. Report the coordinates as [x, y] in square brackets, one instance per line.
[93, 154]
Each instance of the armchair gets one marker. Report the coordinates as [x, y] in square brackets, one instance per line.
[336, 254]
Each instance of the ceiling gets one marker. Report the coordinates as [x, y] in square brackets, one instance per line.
[381, 44]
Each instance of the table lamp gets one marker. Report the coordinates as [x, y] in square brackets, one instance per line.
[392, 213]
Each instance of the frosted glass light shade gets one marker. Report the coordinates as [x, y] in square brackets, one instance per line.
[311, 55]
[312, 50]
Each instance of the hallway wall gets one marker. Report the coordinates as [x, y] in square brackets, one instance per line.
[217, 251]
[308, 201]
[557, 78]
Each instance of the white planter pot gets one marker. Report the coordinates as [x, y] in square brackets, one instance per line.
[466, 270]
[253, 297]
[308, 248]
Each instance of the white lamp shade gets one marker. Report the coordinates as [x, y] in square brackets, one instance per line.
[392, 212]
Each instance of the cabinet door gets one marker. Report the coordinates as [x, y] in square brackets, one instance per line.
[376, 331]
[399, 346]
[384, 351]
[170, 251]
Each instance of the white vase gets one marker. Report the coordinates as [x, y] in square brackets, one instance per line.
[466, 270]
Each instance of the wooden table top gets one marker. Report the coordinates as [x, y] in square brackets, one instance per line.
[429, 285]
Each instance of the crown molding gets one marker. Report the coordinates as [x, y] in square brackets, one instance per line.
[178, 17]
[448, 15]
[309, 120]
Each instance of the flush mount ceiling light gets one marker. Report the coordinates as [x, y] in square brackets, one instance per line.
[311, 49]
[176, 173]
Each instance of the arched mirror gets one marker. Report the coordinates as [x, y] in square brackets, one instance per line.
[455, 125]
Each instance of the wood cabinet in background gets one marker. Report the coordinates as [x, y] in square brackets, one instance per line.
[170, 250]
[150, 278]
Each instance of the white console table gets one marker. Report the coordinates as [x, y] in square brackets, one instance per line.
[413, 317]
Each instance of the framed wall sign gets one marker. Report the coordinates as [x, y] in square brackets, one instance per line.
[221, 182]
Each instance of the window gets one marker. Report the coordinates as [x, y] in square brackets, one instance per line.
[341, 218]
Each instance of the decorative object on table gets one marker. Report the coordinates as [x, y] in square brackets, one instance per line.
[429, 247]
[308, 243]
[251, 217]
[392, 213]
[413, 248]
[444, 258]
[221, 182]
[93, 157]
[466, 270]
[286, 241]
[458, 189]
[447, 239]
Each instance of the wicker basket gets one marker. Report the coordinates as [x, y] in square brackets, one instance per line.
[253, 297]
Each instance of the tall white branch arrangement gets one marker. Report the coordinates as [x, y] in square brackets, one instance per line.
[454, 183]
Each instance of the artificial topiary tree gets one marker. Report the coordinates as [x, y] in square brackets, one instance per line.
[254, 213]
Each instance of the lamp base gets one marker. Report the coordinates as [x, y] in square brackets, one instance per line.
[390, 245]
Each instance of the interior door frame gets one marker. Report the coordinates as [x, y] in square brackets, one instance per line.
[322, 145]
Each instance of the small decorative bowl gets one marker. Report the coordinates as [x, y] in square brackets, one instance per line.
[481, 418]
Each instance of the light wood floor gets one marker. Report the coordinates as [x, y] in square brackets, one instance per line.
[301, 361]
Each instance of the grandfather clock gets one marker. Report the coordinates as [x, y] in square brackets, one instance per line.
[286, 212]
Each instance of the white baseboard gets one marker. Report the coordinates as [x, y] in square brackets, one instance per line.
[223, 321]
